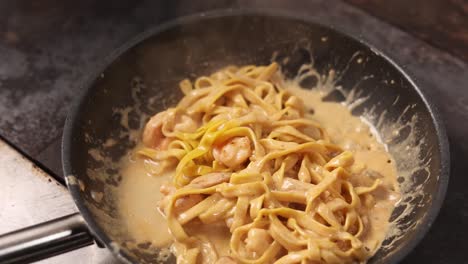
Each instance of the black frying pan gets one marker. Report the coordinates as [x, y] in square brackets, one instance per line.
[144, 74]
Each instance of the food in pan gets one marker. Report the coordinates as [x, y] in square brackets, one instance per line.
[251, 168]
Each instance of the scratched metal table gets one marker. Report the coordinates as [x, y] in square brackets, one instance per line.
[48, 48]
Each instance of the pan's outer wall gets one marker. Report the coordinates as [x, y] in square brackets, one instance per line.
[202, 43]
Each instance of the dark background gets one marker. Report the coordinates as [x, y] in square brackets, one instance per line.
[48, 47]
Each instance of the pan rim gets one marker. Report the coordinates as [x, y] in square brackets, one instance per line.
[87, 85]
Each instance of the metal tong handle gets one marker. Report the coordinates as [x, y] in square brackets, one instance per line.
[45, 240]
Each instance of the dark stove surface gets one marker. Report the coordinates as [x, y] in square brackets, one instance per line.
[47, 48]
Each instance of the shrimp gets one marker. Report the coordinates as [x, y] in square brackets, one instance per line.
[233, 152]
[172, 120]
[210, 179]
[258, 240]
[185, 123]
[153, 135]
[182, 204]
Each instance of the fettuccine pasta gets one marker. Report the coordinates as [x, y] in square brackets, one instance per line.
[246, 155]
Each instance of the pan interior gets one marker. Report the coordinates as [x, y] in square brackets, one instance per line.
[144, 80]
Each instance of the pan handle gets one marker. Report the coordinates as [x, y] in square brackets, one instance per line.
[45, 240]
